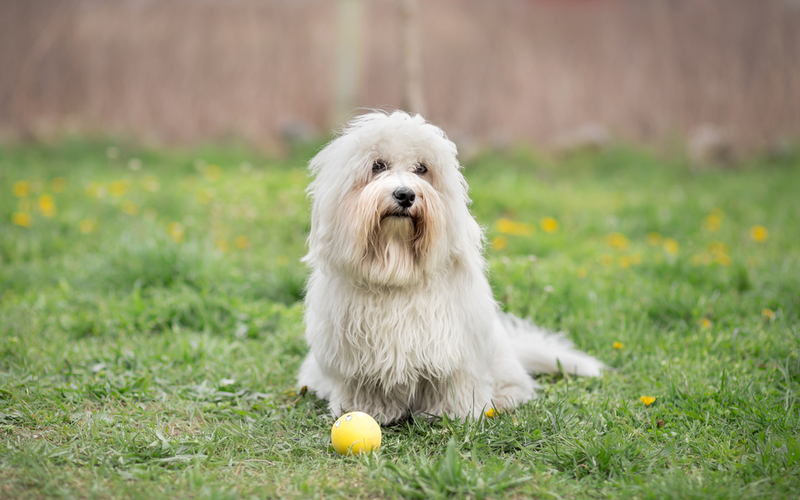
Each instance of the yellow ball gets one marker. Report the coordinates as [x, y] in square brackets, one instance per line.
[355, 433]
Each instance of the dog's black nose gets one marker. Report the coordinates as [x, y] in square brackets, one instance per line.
[405, 197]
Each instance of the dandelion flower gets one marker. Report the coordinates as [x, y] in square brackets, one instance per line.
[723, 259]
[22, 219]
[767, 313]
[130, 207]
[22, 188]
[653, 239]
[581, 272]
[47, 206]
[647, 400]
[549, 224]
[241, 242]
[717, 247]
[499, 243]
[759, 233]
[491, 413]
[624, 261]
[59, 184]
[117, 188]
[87, 226]
[175, 231]
[671, 246]
[617, 241]
[508, 226]
[712, 222]
[618, 345]
[705, 323]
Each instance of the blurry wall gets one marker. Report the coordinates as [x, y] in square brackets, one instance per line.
[503, 70]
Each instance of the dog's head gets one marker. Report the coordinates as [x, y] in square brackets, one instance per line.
[390, 203]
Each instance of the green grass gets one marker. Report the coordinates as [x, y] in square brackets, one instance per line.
[142, 359]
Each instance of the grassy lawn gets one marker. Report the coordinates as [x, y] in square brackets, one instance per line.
[151, 329]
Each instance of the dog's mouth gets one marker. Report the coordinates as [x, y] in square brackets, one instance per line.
[401, 214]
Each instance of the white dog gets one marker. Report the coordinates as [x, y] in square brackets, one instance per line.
[400, 318]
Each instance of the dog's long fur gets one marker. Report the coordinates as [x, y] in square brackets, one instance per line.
[400, 318]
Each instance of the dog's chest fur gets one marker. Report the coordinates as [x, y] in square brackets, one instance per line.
[395, 336]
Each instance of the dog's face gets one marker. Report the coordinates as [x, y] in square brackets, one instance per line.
[389, 202]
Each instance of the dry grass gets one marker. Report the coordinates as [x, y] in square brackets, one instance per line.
[187, 70]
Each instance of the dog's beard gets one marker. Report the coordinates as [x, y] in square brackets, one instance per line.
[395, 246]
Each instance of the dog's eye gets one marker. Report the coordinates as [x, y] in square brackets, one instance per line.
[379, 166]
[420, 169]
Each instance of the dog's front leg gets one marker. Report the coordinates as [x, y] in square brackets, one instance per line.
[385, 406]
[463, 394]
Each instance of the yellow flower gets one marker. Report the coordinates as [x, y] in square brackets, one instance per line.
[581, 272]
[59, 184]
[705, 323]
[222, 245]
[22, 188]
[241, 242]
[653, 239]
[712, 222]
[117, 188]
[22, 219]
[606, 259]
[130, 207]
[759, 233]
[618, 345]
[617, 241]
[47, 206]
[499, 243]
[508, 226]
[87, 226]
[150, 183]
[491, 413]
[549, 224]
[717, 247]
[212, 172]
[624, 261]
[647, 400]
[671, 246]
[767, 313]
[175, 231]
[723, 259]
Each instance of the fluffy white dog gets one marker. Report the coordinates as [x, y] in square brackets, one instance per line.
[400, 318]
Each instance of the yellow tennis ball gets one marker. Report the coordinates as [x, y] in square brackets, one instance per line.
[355, 433]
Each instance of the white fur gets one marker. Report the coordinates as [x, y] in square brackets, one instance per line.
[400, 318]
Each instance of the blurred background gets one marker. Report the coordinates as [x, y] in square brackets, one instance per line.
[724, 73]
